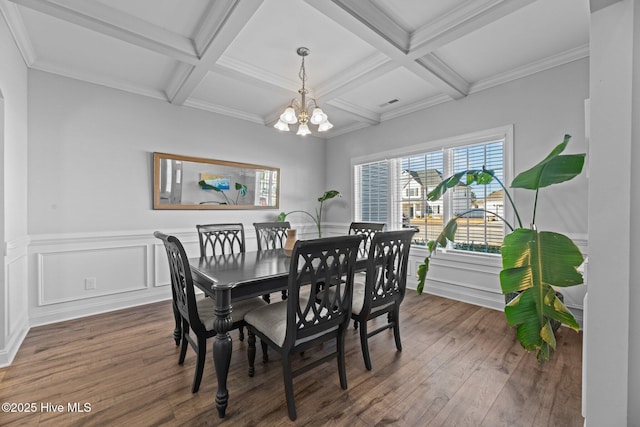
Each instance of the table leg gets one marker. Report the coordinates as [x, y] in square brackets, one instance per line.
[222, 347]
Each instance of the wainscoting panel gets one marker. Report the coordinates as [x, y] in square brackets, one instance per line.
[15, 295]
[76, 275]
[130, 268]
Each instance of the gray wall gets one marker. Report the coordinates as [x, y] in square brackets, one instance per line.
[542, 108]
[90, 158]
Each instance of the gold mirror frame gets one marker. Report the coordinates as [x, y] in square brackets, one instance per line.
[184, 182]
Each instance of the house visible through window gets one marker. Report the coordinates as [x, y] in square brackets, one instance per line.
[394, 191]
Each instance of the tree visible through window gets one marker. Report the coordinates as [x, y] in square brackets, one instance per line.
[395, 191]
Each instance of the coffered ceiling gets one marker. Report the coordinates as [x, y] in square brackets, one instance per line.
[370, 61]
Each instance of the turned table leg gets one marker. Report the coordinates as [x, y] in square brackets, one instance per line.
[222, 347]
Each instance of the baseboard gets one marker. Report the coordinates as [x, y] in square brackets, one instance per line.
[61, 314]
[8, 353]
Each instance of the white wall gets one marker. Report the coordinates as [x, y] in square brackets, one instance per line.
[90, 190]
[13, 199]
[541, 108]
[611, 339]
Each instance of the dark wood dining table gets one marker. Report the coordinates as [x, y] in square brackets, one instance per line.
[229, 278]
[233, 277]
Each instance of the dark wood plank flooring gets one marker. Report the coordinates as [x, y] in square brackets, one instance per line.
[460, 366]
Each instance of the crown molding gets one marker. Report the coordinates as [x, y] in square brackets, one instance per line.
[14, 21]
[91, 78]
[368, 116]
[225, 111]
[416, 106]
[532, 68]
[462, 20]
[103, 19]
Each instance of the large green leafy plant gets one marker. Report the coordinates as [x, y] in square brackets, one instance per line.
[533, 262]
[317, 219]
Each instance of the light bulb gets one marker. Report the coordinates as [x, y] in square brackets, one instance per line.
[324, 126]
[318, 116]
[289, 116]
[280, 125]
[303, 130]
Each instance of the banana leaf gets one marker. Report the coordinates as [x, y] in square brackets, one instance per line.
[533, 262]
[554, 169]
[448, 233]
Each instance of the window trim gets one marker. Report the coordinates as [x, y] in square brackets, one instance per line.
[505, 133]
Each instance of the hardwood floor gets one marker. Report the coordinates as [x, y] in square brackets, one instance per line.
[460, 366]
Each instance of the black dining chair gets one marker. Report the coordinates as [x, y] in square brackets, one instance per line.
[383, 288]
[303, 320]
[197, 313]
[222, 239]
[271, 235]
[368, 229]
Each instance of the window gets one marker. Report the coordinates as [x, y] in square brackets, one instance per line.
[394, 190]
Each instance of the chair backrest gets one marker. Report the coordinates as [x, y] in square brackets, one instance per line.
[368, 229]
[181, 280]
[386, 280]
[221, 239]
[316, 265]
[271, 235]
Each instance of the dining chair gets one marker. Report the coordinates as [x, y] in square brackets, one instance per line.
[303, 320]
[197, 313]
[368, 229]
[222, 239]
[383, 288]
[272, 235]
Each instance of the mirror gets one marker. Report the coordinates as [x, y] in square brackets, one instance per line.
[182, 182]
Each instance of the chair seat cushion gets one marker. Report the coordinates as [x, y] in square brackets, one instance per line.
[271, 320]
[206, 307]
[358, 295]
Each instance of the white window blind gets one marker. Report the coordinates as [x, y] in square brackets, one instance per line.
[395, 191]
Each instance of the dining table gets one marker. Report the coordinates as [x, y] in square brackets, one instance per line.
[232, 277]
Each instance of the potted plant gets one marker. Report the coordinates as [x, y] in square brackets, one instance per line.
[533, 261]
[317, 219]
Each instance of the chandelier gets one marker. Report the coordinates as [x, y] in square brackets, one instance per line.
[298, 112]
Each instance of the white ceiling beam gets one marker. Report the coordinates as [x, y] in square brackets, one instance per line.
[215, 36]
[357, 18]
[377, 21]
[106, 20]
[445, 73]
[412, 51]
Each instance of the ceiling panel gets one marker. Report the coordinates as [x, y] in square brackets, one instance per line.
[361, 52]
[77, 52]
[270, 40]
[223, 90]
[540, 30]
[376, 94]
[412, 15]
